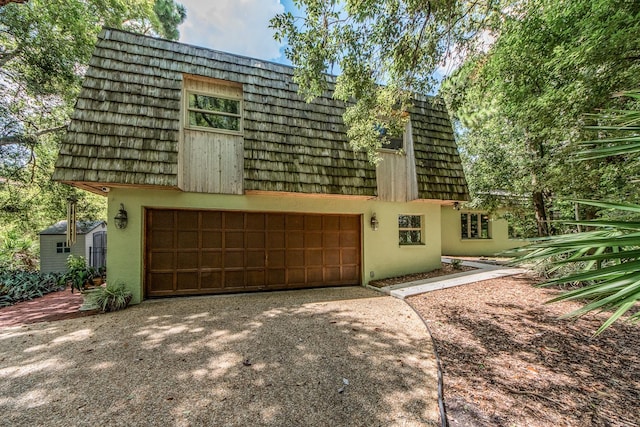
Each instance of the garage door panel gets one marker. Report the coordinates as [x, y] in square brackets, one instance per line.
[163, 219]
[295, 258]
[295, 276]
[255, 240]
[234, 279]
[187, 239]
[162, 281]
[212, 239]
[161, 239]
[295, 239]
[187, 281]
[188, 220]
[211, 220]
[276, 276]
[210, 280]
[255, 221]
[162, 261]
[211, 259]
[187, 260]
[331, 240]
[276, 240]
[255, 259]
[234, 221]
[233, 259]
[200, 252]
[234, 239]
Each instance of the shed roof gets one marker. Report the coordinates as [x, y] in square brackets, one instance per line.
[82, 227]
[126, 124]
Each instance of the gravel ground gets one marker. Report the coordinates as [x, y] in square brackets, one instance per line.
[338, 356]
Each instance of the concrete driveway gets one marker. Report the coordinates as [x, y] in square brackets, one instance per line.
[324, 357]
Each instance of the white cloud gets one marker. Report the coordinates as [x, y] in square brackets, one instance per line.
[235, 26]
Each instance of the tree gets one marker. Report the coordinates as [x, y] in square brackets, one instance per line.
[397, 43]
[45, 47]
[524, 99]
[606, 259]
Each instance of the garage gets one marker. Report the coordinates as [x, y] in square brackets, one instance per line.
[190, 252]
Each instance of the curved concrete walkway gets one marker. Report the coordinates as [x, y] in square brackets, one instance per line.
[337, 356]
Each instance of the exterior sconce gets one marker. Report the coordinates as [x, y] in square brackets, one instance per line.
[121, 219]
[374, 222]
[456, 206]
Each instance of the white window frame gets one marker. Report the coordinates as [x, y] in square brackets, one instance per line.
[212, 94]
[409, 229]
[62, 248]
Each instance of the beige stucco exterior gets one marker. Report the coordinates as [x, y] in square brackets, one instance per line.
[454, 244]
[382, 256]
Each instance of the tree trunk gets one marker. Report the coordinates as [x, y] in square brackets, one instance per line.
[541, 213]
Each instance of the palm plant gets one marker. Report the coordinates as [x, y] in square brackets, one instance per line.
[606, 259]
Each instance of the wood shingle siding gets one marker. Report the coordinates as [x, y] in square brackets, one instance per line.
[126, 127]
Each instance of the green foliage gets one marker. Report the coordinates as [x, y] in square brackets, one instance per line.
[396, 43]
[520, 104]
[112, 297]
[606, 259]
[45, 47]
[78, 275]
[17, 252]
[16, 286]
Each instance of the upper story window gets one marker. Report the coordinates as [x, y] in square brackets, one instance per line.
[62, 248]
[474, 226]
[212, 105]
[393, 142]
[214, 112]
[410, 229]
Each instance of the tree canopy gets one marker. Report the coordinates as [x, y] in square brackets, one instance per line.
[45, 47]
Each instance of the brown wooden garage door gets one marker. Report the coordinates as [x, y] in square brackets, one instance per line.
[205, 252]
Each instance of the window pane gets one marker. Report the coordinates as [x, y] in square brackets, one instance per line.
[464, 225]
[484, 226]
[403, 221]
[197, 118]
[474, 226]
[414, 221]
[204, 102]
[410, 237]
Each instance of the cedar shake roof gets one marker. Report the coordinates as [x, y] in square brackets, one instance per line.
[126, 124]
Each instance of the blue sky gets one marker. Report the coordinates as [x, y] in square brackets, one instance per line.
[235, 26]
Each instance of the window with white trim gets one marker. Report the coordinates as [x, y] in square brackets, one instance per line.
[474, 226]
[213, 112]
[62, 248]
[410, 229]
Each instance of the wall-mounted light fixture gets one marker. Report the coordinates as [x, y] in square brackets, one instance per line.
[374, 222]
[121, 218]
[456, 206]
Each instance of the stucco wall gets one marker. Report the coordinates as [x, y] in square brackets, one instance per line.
[454, 244]
[382, 255]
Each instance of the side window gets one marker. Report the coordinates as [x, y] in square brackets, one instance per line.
[410, 230]
[61, 247]
[474, 226]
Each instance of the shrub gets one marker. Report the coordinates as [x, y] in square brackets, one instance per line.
[112, 297]
[78, 273]
[16, 286]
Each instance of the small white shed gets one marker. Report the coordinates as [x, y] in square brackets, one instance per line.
[91, 243]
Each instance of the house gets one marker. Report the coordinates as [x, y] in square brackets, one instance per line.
[231, 182]
[91, 243]
[474, 232]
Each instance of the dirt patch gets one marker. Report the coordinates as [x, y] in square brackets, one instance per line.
[445, 270]
[54, 306]
[509, 360]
